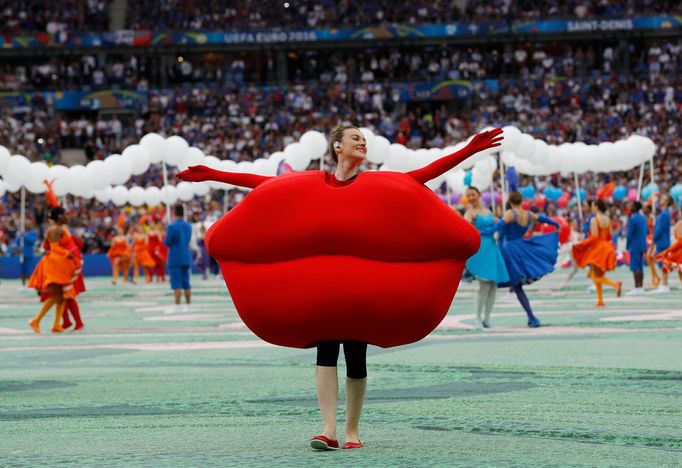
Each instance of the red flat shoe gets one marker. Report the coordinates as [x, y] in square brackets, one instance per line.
[324, 443]
[352, 445]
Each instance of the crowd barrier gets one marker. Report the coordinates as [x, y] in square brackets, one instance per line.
[93, 265]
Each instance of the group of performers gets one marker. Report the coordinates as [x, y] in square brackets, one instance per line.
[139, 250]
[648, 240]
[517, 260]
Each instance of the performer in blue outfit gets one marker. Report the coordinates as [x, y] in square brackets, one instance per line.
[527, 260]
[179, 263]
[487, 265]
[638, 228]
[26, 246]
[662, 237]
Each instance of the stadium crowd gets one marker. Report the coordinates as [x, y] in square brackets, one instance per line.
[423, 64]
[64, 16]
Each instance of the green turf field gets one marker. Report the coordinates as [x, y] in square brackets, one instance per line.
[141, 387]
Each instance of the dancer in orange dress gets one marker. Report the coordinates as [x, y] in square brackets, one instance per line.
[75, 245]
[672, 256]
[119, 256]
[141, 257]
[598, 251]
[56, 273]
[158, 251]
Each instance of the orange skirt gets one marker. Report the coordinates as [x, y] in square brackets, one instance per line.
[672, 257]
[595, 251]
[56, 269]
[144, 258]
[118, 250]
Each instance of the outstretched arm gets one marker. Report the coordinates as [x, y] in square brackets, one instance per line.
[203, 173]
[546, 220]
[479, 142]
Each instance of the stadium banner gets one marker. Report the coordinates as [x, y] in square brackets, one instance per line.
[78, 100]
[438, 91]
[275, 36]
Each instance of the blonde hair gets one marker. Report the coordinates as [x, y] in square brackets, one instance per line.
[335, 137]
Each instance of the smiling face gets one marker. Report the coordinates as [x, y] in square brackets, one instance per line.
[353, 145]
[473, 197]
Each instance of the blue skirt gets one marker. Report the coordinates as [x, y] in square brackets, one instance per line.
[487, 264]
[528, 260]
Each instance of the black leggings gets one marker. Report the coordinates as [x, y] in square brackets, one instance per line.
[355, 353]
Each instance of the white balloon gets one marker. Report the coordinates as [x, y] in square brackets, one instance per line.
[18, 170]
[155, 145]
[553, 164]
[526, 147]
[455, 181]
[152, 196]
[119, 169]
[297, 156]
[315, 143]
[175, 150]
[98, 174]
[201, 188]
[4, 159]
[3, 188]
[380, 150]
[539, 156]
[194, 157]
[512, 138]
[169, 194]
[277, 157]
[39, 172]
[264, 167]
[119, 195]
[103, 195]
[11, 186]
[397, 157]
[480, 179]
[185, 191]
[79, 184]
[138, 159]
[59, 176]
[136, 195]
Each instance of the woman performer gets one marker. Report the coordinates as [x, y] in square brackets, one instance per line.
[598, 251]
[55, 274]
[75, 245]
[487, 265]
[527, 260]
[141, 257]
[348, 149]
[671, 257]
[119, 256]
[158, 251]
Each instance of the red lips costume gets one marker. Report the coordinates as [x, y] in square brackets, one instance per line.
[398, 250]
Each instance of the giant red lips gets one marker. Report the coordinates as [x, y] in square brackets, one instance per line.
[378, 260]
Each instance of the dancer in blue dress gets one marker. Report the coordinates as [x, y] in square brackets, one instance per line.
[527, 259]
[487, 265]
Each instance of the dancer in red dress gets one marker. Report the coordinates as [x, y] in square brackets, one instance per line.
[158, 251]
